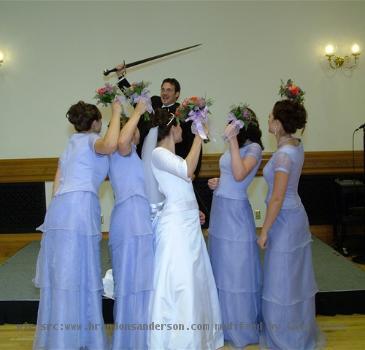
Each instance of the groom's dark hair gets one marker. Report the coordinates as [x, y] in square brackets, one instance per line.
[172, 81]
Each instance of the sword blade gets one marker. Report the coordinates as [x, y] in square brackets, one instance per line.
[136, 63]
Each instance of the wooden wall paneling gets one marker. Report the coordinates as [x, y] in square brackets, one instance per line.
[316, 163]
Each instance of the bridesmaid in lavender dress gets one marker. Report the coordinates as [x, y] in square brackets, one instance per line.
[68, 266]
[289, 288]
[130, 239]
[232, 235]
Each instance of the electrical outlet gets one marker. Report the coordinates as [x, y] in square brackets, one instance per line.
[257, 214]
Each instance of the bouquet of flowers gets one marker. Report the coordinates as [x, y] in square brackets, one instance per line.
[239, 116]
[106, 94]
[139, 92]
[195, 109]
[291, 91]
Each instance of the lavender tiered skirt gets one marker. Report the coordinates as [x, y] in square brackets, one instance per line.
[132, 251]
[237, 269]
[68, 274]
[288, 302]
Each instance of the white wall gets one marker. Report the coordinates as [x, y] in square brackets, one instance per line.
[57, 50]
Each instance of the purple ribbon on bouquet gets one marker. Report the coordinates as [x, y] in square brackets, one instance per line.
[145, 97]
[238, 123]
[198, 117]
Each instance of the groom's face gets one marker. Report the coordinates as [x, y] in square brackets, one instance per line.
[168, 94]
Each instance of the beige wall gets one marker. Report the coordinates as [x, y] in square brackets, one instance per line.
[57, 50]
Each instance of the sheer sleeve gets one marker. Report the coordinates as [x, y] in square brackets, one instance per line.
[92, 139]
[282, 162]
[254, 150]
[167, 161]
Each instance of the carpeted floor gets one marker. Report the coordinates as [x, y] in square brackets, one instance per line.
[334, 273]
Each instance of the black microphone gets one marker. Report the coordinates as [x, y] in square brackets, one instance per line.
[362, 126]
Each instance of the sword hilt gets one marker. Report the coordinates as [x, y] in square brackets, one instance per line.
[108, 71]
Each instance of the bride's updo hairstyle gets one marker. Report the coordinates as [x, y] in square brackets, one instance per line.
[164, 120]
[81, 115]
[291, 111]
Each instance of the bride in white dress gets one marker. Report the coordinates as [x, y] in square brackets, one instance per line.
[184, 308]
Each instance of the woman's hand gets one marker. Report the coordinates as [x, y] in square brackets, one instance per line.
[116, 107]
[201, 217]
[206, 131]
[194, 130]
[121, 70]
[141, 107]
[262, 240]
[230, 131]
[213, 183]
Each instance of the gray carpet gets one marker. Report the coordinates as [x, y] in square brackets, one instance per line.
[333, 272]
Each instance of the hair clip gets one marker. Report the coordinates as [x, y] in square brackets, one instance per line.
[172, 118]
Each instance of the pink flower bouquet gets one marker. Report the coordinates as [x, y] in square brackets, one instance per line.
[106, 94]
[195, 109]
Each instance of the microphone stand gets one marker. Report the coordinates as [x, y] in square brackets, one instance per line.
[360, 259]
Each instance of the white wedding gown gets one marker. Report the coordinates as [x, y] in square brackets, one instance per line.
[184, 307]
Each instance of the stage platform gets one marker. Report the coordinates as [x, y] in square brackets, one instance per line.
[341, 284]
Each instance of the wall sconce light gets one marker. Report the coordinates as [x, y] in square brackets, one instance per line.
[348, 62]
[1, 58]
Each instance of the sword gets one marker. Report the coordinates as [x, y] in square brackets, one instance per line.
[136, 63]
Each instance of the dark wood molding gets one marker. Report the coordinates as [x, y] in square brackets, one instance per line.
[28, 170]
[316, 163]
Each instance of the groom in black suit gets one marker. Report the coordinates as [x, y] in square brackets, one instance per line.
[169, 94]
